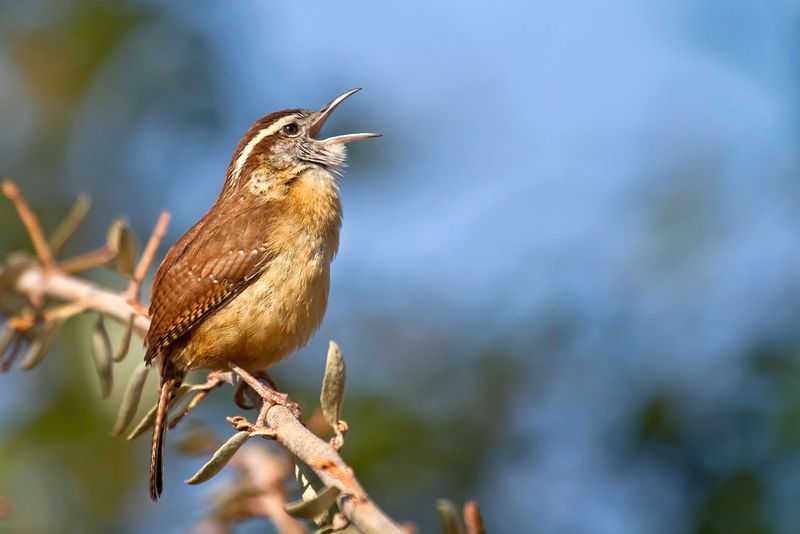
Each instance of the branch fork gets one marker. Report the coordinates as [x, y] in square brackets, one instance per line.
[44, 278]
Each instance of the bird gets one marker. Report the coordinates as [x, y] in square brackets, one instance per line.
[248, 284]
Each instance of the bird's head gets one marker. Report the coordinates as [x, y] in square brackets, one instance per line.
[281, 146]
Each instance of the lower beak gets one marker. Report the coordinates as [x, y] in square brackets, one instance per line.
[325, 112]
[342, 139]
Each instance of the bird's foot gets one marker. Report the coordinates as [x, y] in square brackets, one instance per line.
[258, 429]
[267, 394]
[239, 396]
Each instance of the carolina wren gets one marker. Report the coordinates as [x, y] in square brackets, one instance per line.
[248, 284]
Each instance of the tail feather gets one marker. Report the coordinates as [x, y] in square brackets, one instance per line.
[170, 381]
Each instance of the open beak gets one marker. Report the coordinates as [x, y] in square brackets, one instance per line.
[325, 112]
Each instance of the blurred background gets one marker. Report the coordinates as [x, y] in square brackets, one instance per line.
[569, 279]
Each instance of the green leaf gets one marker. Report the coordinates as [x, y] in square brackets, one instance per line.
[101, 349]
[14, 264]
[70, 224]
[220, 458]
[149, 418]
[122, 242]
[315, 507]
[125, 342]
[333, 386]
[130, 401]
[10, 344]
[451, 521]
[8, 335]
[310, 486]
[41, 345]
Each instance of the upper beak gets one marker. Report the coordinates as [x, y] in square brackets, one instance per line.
[323, 115]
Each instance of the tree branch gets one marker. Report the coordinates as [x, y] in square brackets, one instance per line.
[31, 223]
[35, 280]
[44, 278]
[332, 470]
[132, 293]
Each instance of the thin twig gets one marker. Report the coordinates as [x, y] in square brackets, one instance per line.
[31, 223]
[87, 260]
[33, 281]
[70, 224]
[64, 311]
[212, 382]
[472, 518]
[134, 288]
[241, 424]
[262, 415]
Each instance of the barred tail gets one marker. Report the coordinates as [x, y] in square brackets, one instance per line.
[170, 382]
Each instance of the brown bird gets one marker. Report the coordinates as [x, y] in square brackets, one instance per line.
[248, 284]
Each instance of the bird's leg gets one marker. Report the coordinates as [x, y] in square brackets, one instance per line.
[267, 379]
[266, 393]
[214, 380]
[239, 396]
[242, 391]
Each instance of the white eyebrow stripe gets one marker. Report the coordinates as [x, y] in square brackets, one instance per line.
[248, 149]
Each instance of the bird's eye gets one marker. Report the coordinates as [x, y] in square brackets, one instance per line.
[291, 129]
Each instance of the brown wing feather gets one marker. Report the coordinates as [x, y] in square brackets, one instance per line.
[216, 259]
